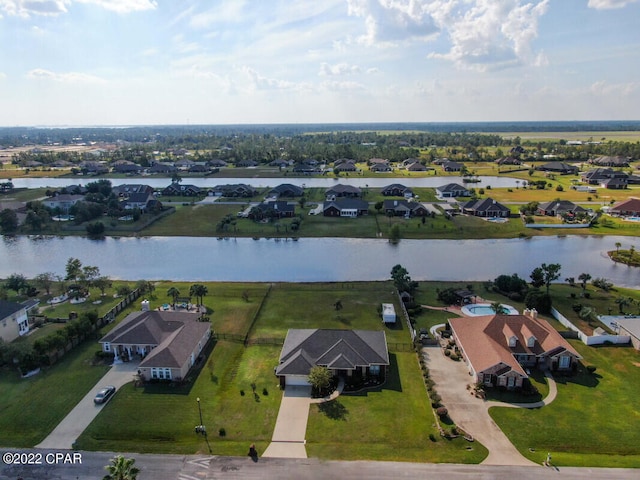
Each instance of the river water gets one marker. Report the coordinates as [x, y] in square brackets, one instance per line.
[316, 182]
[316, 259]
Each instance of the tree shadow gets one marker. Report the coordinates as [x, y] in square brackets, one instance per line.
[334, 410]
[580, 377]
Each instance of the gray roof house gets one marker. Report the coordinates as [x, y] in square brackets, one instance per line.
[344, 352]
[341, 190]
[559, 207]
[486, 207]
[397, 190]
[452, 190]
[287, 190]
[169, 343]
[407, 208]
[345, 207]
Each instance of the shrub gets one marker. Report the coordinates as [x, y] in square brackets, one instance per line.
[432, 437]
[576, 307]
[442, 411]
[591, 368]
[539, 300]
[447, 352]
[222, 432]
[242, 393]
[265, 392]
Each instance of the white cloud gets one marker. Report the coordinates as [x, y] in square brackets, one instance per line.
[491, 34]
[67, 77]
[3, 75]
[609, 4]
[392, 21]
[602, 88]
[333, 85]
[27, 8]
[229, 11]
[338, 69]
[260, 82]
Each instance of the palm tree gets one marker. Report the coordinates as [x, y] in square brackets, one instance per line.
[623, 302]
[618, 245]
[584, 278]
[174, 293]
[121, 469]
[199, 291]
[498, 308]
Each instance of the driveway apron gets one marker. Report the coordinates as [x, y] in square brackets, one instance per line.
[288, 438]
[70, 428]
[470, 413]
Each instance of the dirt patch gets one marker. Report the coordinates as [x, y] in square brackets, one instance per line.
[636, 364]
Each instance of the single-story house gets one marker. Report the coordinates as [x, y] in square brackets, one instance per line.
[161, 167]
[343, 352]
[247, 163]
[597, 175]
[125, 166]
[233, 190]
[451, 190]
[417, 167]
[508, 161]
[380, 167]
[498, 348]
[630, 327]
[615, 183]
[14, 321]
[559, 207]
[452, 166]
[397, 190]
[345, 207]
[486, 207]
[217, 163]
[404, 207]
[345, 165]
[610, 161]
[127, 189]
[277, 209]
[627, 208]
[184, 164]
[558, 167]
[184, 190]
[286, 190]
[168, 343]
[341, 190]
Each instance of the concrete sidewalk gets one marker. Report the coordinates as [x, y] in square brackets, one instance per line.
[70, 428]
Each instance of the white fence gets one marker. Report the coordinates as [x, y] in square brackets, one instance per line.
[586, 339]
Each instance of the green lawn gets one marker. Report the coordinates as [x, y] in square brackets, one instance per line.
[31, 408]
[312, 305]
[161, 418]
[390, 423]
[593, 421]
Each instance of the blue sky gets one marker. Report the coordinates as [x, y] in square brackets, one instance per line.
[125, 62]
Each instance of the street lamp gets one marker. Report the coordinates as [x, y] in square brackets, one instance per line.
[200, 428]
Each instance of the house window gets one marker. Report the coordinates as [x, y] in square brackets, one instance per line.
[511, 382]
[107, 347]
[374, 369]
[486, 378]
[565, 361]
[167, 373]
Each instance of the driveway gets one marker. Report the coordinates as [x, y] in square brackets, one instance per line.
[70, 428]
[467, 411]
[291, 425]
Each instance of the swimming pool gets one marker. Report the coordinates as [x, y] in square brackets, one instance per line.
[479, 309]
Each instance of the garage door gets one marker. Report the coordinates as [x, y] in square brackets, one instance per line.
[298, 380]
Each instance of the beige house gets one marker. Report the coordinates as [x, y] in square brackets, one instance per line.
[168, 343]
[13, 320]
[498, 348]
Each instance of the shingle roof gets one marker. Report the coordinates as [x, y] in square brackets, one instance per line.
[338, 349]
[484, 339]
[173, 334]
[9, 308]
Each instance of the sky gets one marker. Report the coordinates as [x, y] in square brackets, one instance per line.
[143, 62]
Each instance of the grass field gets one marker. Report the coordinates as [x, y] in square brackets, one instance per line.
[592, 421]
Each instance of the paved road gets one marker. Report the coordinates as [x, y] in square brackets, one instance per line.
[467, 411]
[178, 467]
[70, 428]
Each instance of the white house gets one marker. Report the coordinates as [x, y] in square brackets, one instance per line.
[13, 320]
